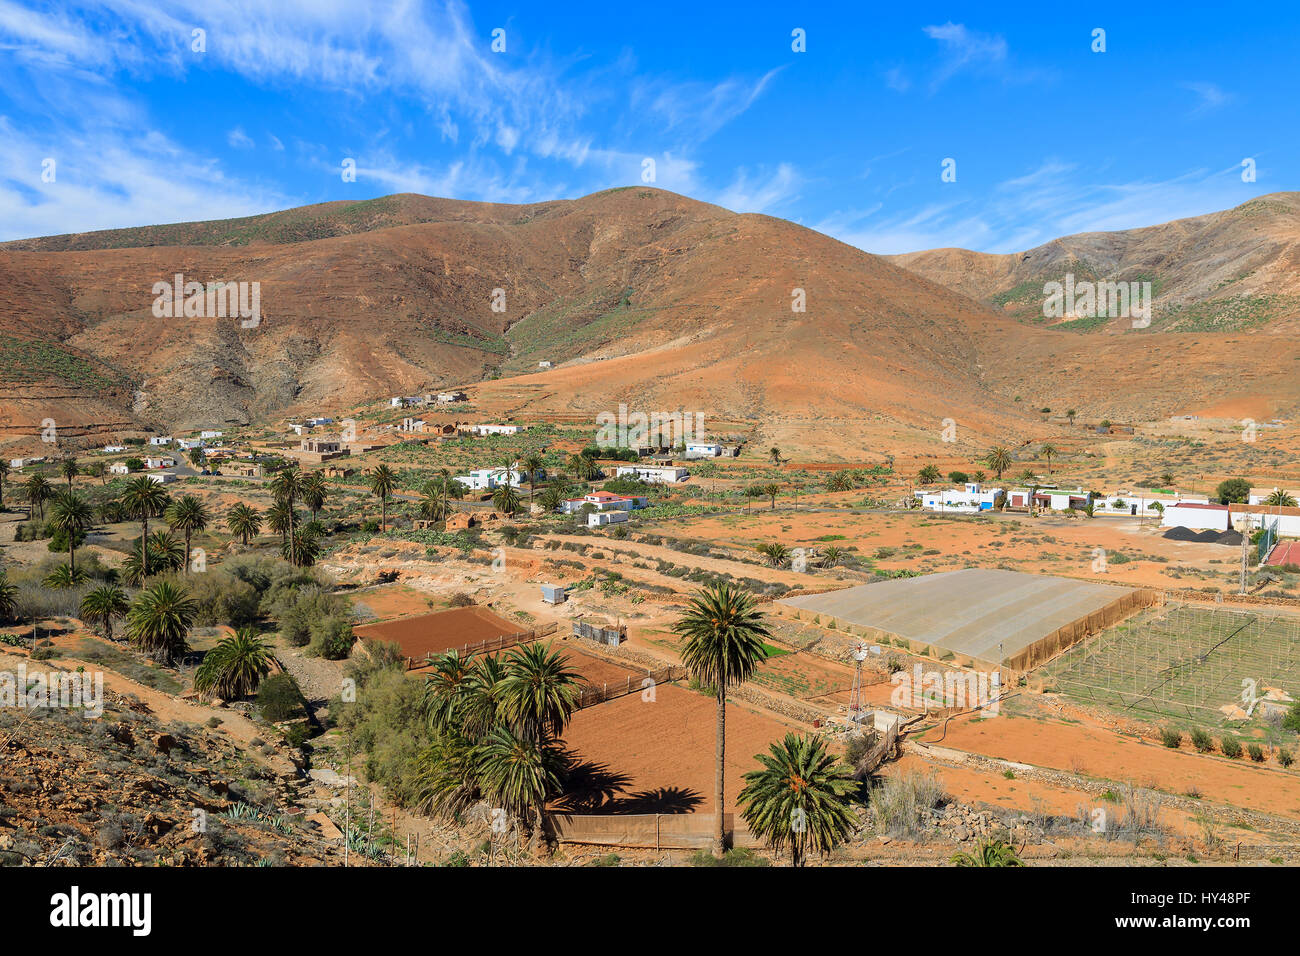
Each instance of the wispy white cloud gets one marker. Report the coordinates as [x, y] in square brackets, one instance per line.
[1052, 200]
[239, 139]
[1209, 97]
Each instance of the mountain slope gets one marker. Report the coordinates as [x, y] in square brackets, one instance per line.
[1228, 271]
[651, 296]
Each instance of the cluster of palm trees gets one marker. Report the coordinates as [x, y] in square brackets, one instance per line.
[498, 723]
[299, 541]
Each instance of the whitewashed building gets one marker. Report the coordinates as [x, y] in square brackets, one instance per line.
[653, 474]
[970, 498]
[703, 449]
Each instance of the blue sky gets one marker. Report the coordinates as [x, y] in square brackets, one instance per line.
[847, 137]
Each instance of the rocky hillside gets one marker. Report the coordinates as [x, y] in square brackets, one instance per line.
[1231, 271]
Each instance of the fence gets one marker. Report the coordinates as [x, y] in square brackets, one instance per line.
[1043, 650]
[1266, 541]
[590, 696]
[659, 831]
[490, 646]
[604, 635]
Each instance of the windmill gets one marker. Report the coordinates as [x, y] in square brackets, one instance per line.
[855, 695]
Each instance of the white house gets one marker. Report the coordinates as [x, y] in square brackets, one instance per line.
[210, 433]
[24, 462]
[160, 462]
[1053, 499]
[111, 449]
[496, 429]
[162, 477]
[160, 440]
[446, 398]
[189, 444]
[605, 501]
[1259, 495]
[545, 363]
[653, 474]
[118, 468]
[598, 518]
[319, 420]
[972, 497]
[485, 479]
[703, 449]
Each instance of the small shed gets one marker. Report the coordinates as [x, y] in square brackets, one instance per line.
[554, 593]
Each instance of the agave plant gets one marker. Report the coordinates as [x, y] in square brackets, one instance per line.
[777, 555]
[990, 853]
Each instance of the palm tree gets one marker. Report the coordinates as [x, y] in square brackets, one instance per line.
[431, 503]
[8, 597]
[1070, 415]
[244, 522]
[382, 484]
[539, 692]
[103, 605]
[165, 552]
[1048, 451]
[799, 798]
[235, 667]
[64, 577]
[4, 473]
[1280, 498]
[752, 492]
[584, 465]
[444, 690]
[38, 491]
[187, 515]
[979, 476]
[520, 775]
[68, 469]
[159, 620]
[286, 487]
[280, 519]
[506, 499]
[552, 498]
[531, 463]
[72, 515]
[314, 491]
[724, 633]
[775, 455]
[928, 475]
[999, 459]
[771, 489]
[96, 469]
[144, 498]
[302, 547]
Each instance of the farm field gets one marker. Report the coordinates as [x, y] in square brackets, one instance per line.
[657, 756]
[1187, 665]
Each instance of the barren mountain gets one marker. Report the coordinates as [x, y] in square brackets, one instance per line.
[1235, 270]
[635, 295]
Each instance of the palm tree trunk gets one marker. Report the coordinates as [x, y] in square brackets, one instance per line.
[72, 557]
[144, 548]
[719, 831]
[187, 552]
[383, 515]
